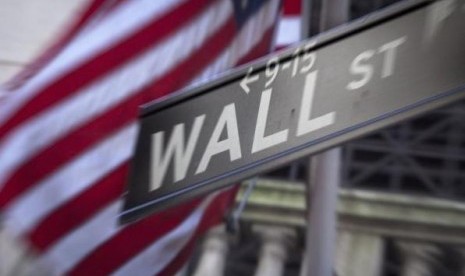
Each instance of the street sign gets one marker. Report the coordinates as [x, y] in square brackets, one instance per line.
[364, 76]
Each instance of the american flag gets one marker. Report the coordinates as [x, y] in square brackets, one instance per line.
[68, 126]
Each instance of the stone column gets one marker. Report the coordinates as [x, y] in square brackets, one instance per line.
[359, 254]
[214, 250]
[273, 252]
[419, 258]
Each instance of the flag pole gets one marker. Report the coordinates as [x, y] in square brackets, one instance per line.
[324, 172]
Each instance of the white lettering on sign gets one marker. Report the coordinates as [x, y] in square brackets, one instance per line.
[302, 59]
[271, 71]
[309, 57]
[260, 142]
[305, 124]
[248, 78]
[227, 123]
[301, 62]
[390, 50]
[361, 66]
[182, 156]
[232, 143]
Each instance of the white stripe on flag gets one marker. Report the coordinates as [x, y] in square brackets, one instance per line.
[288, 30]
[31, 137]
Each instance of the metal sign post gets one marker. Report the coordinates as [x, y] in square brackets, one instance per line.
[324, 179]
[325, 91]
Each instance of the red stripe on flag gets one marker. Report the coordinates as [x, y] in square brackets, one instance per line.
[104, 62]
[69, 147]
[292, 7]
[79, 209]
